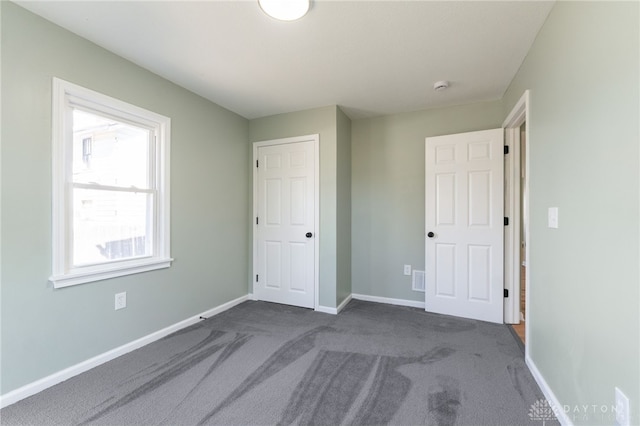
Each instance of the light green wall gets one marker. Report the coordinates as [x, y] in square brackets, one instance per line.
[320, 121]
[45, 330]
[388, 192]
[584, 76]
[343, 251]
[334, 128]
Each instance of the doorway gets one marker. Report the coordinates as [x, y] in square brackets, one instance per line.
[521, 326]
[285, 232]
[517, 259]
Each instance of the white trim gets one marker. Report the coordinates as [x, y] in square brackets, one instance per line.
[334, 311]
[512, 231]
[388, 300]
[62, 375]
[548, 393]
[120, 269]
[344, 303]
[326, 310]
[315, 138]
[65, 96]
[518, 115]
[316, 232]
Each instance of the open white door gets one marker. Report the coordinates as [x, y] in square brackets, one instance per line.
[464, 225]
[285, 229]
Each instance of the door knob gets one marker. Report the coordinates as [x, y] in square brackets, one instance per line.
[308, 235]
[431, 235]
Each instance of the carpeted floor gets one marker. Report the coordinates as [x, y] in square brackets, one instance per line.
[265, 364]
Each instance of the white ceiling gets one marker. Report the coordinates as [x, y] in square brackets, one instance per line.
[370, 57]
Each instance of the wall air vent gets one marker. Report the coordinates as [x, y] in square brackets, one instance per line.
[417, 280]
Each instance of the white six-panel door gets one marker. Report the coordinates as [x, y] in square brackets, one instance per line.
[464, 225]
[285, 222]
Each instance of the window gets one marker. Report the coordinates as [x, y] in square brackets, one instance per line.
[110, 187]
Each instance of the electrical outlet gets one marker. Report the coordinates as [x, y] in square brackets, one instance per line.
[121, 300]
[553, 217]
[622, 409]
[407, 269]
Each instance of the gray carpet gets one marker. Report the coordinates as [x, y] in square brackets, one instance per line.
[266, 364]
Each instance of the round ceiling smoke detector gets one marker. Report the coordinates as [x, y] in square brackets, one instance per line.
[440, 85]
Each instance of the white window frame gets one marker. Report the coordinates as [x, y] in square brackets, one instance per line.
[65, 96]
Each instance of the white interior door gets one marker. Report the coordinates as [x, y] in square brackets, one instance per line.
[285, 240]
[464, 225]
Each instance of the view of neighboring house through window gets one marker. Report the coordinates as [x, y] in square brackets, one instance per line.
[111, 205]
[112, 196]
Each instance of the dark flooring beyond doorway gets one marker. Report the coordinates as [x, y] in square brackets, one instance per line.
[265, 364]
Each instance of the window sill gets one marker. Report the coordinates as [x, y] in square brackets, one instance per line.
[80, 276]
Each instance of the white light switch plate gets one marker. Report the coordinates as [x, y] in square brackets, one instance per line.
[407, 269]
[553, 217]
[121, 300]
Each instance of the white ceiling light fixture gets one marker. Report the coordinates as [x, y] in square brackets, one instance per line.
[285, 10]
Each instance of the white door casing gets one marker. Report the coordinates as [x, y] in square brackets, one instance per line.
[464, 225]
[518, 116]
[285, 227]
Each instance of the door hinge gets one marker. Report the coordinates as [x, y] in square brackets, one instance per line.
[506, 292]
[506, 149]
[506, 221]
[256, 220]
[256, 277]
[257, 161]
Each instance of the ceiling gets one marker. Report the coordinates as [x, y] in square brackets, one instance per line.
[370, 57]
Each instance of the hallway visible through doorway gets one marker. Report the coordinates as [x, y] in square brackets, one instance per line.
[520, 327]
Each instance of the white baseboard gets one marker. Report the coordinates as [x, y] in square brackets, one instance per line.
[55, 378]
[327, 310]
[334, 311]
[548, 393]
[388, 300]
[344, 303]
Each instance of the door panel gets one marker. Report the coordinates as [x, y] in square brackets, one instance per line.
[273, 264]
[479, 267]
[445, 270]
[285, 206]
[479, 199]
[273, 201]
[445, 203]
[464, 209]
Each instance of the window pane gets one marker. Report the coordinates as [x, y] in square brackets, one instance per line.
[110, 225]
[109, 152]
